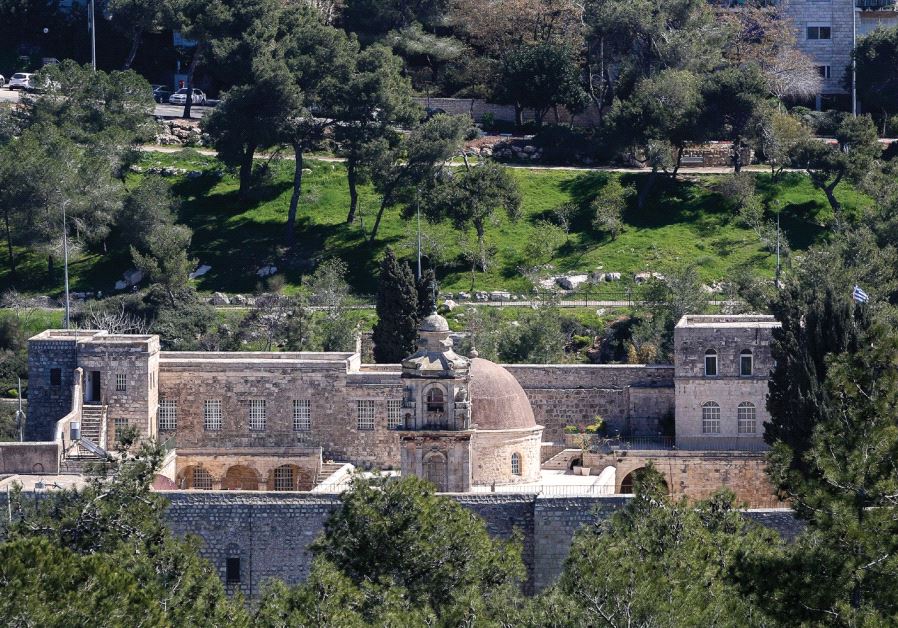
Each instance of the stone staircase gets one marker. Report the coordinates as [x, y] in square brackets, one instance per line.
[93, 419]
[561, 461]
[327, 470]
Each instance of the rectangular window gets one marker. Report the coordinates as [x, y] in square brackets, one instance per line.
[257, 415]
[825, 71]
[302, 415]
[168, 415]
[711, 364]
[120, 424]
[365, 414]
[394, 413]
[819, 32]
[56, 377]
[232, 571]
[121, 382]
[212, 415]
[745, 364]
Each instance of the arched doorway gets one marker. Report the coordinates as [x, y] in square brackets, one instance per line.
[628, 484]
[195, 477]
[240, 478]
[435, 471]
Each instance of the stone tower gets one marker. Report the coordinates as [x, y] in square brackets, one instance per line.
[435, 440]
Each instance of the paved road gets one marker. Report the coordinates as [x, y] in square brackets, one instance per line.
[163, 111]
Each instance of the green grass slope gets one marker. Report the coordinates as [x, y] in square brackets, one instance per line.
[686, 222]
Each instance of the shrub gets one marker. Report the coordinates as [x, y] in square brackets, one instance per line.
[571, 429]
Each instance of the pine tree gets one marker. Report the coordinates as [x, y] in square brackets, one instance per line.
[397, 308]
[427, 293]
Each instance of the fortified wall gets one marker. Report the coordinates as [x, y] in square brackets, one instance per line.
[270, 533]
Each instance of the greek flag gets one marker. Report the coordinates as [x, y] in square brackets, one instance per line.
[859, 295]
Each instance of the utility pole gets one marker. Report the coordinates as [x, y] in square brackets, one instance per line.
[418, 209]
[92, 23]
[778, 249]
[65, 257]
[853, 58]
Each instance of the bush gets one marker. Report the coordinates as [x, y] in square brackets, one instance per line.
[571, 429]
[561, 144]
[487, 120]
[597, 427]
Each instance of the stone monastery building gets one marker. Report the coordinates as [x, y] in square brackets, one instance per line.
[280, 421]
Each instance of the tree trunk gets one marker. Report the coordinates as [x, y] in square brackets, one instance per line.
[380, 213]
[136, 38]
[518, 115]
[194, 61]
[352, 179]
[834, 202]
[51, 270]
[246, 171]
[481, 246]
[678, 161]
[646, 189]
[737, 155]
[298, 150]
[12, 257]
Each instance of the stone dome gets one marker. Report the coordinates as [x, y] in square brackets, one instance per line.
[434, 322]
[497, 400]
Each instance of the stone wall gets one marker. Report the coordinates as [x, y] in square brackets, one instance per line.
[696, 475]
[48, 402]
[271, 532]
[29, 457]
[562, 394]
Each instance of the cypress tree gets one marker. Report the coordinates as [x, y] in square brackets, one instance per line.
[427, 291]
[397, 309]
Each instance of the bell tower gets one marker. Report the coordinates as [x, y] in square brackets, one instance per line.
[435, 439]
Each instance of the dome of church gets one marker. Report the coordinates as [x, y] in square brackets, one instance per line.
[434, 322]
[497, 400]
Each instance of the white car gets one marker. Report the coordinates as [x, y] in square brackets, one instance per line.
[180, 97]
[20, 80]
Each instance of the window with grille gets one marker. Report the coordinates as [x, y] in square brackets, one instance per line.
[394, 413]
[710, 363]
[302, 415]
[121, 383]
[283, 479]
[257, 415]
[516, 463]
[120, 424]
[710, 418]
[365, 414]
[168, 414]
[746, 417]
[745, 363]
[56, 377]
[202, 479]
[212, 415]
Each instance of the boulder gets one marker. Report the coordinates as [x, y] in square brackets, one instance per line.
[644, 277]
[133, 276]
[548, 283]
[220, 298]
[238, 299]
[499, 295]
[265, 271]
[481, 296]
[450, 305]
[571, 282]
[463, 296]
[612, 276]
[529, 149]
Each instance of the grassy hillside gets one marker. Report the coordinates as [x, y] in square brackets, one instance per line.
[688, 222]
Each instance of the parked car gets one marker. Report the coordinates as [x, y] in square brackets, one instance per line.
[2, 80]
[180, 97]
[161, 93]
[20, 80]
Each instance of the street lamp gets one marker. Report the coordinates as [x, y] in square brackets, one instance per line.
[92, 25]
[65, 257]
[854, 10]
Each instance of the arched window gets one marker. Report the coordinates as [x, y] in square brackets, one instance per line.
[436, 401]
[746, 363]
[747, 418]
[435, 470]
[628, 484]
[710, 418]
[710, 363]
[516, 463]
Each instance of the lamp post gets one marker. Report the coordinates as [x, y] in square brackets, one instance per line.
[65, 257]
